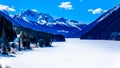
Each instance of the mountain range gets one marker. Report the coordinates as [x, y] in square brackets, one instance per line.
[104, 27]
[46, 23]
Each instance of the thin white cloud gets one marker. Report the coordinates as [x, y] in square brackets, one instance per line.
[97, 11]
[105, 10]
[7, 8]
[66, 5]
[34, 10]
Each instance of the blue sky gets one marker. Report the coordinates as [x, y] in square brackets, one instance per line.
[84, 11]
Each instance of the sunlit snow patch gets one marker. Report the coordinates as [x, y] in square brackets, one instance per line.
[2, 64]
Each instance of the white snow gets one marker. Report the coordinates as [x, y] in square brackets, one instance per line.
[51, 24]
[61, 23]
[43, 21]
[74, 53]
[64, 31]
[25, 18]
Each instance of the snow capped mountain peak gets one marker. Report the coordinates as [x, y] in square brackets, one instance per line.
[105, 26]
[28, 12]
[43, 21]
[31, 15]
[117, 7]
[62, 19]
[43, 18]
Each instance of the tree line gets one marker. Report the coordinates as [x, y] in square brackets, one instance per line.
[25, 37]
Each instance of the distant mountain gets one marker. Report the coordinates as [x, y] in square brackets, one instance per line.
[107, 26]
[46, 23]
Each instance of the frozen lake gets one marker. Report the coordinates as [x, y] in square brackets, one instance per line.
[74, 53]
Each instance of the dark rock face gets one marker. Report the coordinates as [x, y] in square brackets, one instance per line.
[107, 26]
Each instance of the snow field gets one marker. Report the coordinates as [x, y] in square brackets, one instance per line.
[74, 53]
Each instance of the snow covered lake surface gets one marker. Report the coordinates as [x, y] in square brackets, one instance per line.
[74, 53]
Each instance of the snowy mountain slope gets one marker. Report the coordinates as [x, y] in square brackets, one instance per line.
[10, 18]
[22, 23]
[34, 26]
[30, 15]
[73, 53]
[99, 19]
[106, 26]
[45, 23]
[50, 24]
